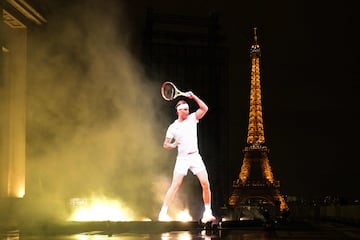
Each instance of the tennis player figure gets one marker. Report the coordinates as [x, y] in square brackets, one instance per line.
[182, 134]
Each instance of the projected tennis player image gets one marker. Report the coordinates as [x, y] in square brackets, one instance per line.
[182, 134]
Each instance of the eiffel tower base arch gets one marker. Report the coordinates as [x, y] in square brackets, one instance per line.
[254, 204]
[256, 194]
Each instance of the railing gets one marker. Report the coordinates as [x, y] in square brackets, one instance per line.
[254, 183]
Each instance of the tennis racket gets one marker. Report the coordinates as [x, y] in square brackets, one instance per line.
[169, 91]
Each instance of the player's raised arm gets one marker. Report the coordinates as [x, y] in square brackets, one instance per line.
[203, 108]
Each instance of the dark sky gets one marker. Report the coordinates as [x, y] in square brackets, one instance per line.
[310, 83]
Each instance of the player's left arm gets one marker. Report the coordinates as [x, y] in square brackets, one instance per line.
[203, 108]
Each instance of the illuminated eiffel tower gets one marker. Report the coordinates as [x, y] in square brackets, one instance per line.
[256, 185]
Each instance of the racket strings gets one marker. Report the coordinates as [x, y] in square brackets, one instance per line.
[169, 91]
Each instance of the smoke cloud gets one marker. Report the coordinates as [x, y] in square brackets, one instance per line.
[93, 125]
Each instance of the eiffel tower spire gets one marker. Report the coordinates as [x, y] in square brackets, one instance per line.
[256, 184]
[255, 134]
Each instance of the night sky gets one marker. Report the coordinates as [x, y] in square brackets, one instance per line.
[310, 84]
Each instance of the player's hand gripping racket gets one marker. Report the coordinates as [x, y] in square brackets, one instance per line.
[169, 91]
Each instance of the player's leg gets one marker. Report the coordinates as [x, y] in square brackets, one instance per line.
[206, 194]
[170, 195]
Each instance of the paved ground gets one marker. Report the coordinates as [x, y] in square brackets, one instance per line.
[188, 231]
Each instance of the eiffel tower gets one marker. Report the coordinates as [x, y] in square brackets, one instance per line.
[256, 186]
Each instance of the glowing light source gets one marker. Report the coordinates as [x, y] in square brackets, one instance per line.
[99, 209]
[20, 193]
[183, 216]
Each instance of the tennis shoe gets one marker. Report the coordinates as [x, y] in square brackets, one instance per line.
[208, 217]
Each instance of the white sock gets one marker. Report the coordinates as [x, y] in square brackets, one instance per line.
[208, 208]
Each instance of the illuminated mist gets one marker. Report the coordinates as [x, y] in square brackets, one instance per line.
[94, 123]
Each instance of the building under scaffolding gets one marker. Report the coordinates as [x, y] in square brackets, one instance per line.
[191, 51]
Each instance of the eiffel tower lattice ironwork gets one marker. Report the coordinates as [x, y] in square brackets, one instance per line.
[256, 184]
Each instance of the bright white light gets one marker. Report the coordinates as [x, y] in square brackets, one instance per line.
[183, 216]
[100, 209]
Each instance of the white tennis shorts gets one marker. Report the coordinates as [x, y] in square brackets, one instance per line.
[192, 162]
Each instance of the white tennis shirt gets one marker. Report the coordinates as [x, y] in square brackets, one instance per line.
[185, 133]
